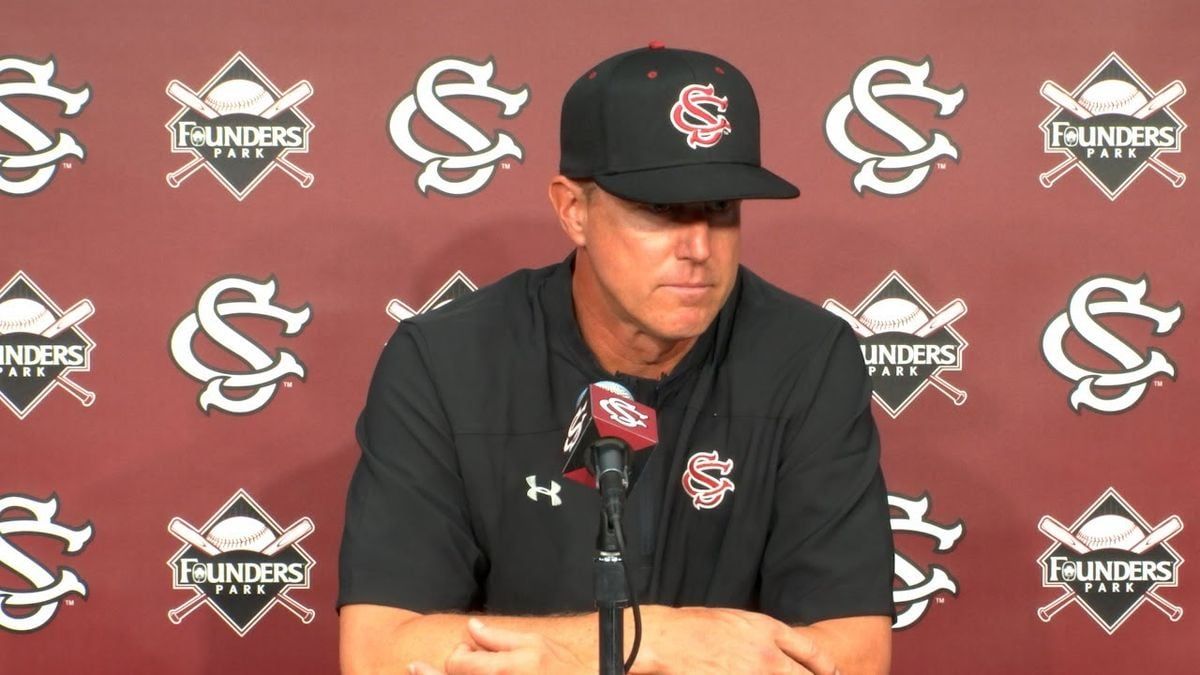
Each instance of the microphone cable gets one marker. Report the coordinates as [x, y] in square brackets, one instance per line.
[633, 602]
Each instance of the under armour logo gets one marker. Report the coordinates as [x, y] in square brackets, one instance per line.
[624, 412]
[1137, 369]
[267, 370]
[427, 98]
[705, 480]
[535, 490]
[920, 585]
[863, 98]
[34, 170]
[49, 588]
[704, 127]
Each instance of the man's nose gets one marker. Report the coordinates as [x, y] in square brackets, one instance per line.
[693, 238]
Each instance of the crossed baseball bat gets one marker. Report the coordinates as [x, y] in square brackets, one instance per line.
[1056, 531]
[289, 99]
[70, 318]
[1059, 96]
[944, 317]
[190, 535]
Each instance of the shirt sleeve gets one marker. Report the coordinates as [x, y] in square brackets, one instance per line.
[830, 553]
[408, 540]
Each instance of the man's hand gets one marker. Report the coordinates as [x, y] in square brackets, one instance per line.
[496, 650]
[712, 640]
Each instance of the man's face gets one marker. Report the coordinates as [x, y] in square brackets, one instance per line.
[663, 269]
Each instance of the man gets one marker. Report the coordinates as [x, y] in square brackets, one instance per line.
[757, 537]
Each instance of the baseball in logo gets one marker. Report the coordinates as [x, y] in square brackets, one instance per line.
[1111, 127]
[905, 343]
[455, 287]
[41, 345]
[41, 592]
[230, 297]
[240, 127]
[892, 173]
[29, 165]
[1104, 388]
[916, 587]
[1110, 561]
[706, 479]
[460, 173]
[698, 115]
[241, 563]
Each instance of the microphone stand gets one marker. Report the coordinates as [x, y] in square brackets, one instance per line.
[609, 460]
[611, 599]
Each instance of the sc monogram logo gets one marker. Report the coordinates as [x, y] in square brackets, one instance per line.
[267, 370]
[919, 586]
[691, 115]
[427, 98]
[49, 588]
[863, 98]
[27, 173]
[623, 412]
[1138, 369]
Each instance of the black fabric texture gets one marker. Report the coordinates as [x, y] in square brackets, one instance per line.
[471, 400]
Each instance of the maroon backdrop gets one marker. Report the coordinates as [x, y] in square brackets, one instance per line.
[988, 433]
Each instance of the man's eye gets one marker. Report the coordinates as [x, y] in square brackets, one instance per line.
[720, 206]
[660, 209]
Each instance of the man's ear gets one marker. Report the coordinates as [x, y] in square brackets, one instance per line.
[570, 205]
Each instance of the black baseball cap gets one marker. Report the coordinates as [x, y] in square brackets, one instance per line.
[667, 126]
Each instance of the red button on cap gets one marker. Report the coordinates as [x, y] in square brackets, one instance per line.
[657, 45]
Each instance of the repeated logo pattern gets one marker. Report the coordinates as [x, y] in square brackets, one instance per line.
[892, 174]
[41, 345]
[241, 563]
[240, 127]
[266, 370]
[905, 343]
[27, 171]
[439, 169]
[1110, 390]
[1110, 561]
[455, 287]
[916, 587]
[1112, 127]
[24, 610]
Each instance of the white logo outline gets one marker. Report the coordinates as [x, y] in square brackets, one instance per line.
[284, 539]
[690, 103]
[72, 316]
[1071, 103]
[624, 412]
[706, 491]
[401, 311]
[49, 591]
[863, 98]
[922, 584]
[47, 152]
[535, 490]
[207, 317]
[303, 178]
[426, 97]
[1079, 317]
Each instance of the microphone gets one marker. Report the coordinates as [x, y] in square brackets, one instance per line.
[607, 438]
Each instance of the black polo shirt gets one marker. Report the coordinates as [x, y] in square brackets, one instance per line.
[764, 492]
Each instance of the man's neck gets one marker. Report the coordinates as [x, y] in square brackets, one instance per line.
[619, 347]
